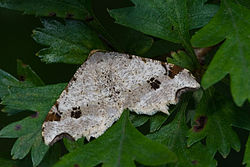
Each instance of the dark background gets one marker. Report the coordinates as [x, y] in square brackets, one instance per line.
[16, 43]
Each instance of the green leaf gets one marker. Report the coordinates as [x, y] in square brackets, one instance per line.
[173, 135]
[62, 8]
[6, 82]
[241, 118]
[52, 156]
[246, 160]
[27, 75]
[7, 162]
[39, 149]
[181, 59]
[165, 19]
[138, 120]
[232, 58]
[28, 132]
[244, 3]
[213, 121]
[34, 99]
[200, 12]
[155, 121]
[161, 48]
[72, 145]
[68, 43]
[119, 146]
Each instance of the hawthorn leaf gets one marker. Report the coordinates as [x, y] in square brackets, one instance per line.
[155, 121]
[63, 8]
[161, 48]
[52, 156]
[28, 132]
[138, 120]
[241, 117]
[27, 75]
[119, 146]
[232, 58]
[34, 99]
[72, 145]
[200, 12]
[6, 82]
[173, 135]
[244, 3]
[213, 119]
[181, 59]
[166, 19]
[68, 43]
[7, 162]
[10, 111]
[163, 19]
[246, 160]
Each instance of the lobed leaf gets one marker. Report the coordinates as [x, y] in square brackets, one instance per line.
[70, 43]
[27, 75]
[229, 24]
[119, 146]
[72, 145]
[28, 132]
[246, 160]
[181, 59]
[6, 82]
[23, 97]
[34, 99]
[155, 121]
[173, 135]
[63, 8]
[213, 119]
[166, 19]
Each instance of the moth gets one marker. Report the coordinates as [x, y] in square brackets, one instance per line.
[106, 84]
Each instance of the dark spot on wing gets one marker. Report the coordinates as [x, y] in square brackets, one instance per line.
[174, 71]
[53, 117]
[154, 83]
[158, 82]
[130, 57]
[165, 67]
[18, 127]
[200, 123]
[76, 113]
[144, 59]
[60, 136]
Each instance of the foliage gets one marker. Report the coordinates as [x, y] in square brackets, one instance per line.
[199, 127]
